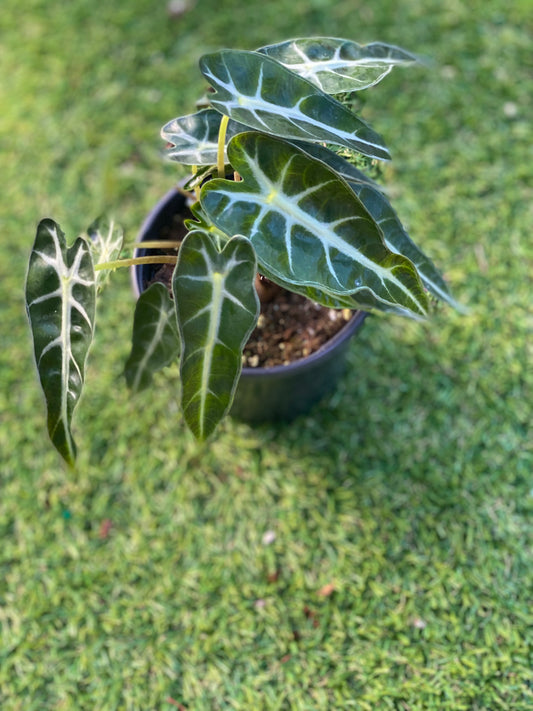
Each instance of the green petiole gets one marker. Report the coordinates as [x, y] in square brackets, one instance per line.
[157, 259]
[221, 145]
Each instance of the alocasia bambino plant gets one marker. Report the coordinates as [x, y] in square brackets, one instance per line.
[299, 210]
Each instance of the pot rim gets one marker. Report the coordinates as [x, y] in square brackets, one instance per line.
[146, 225]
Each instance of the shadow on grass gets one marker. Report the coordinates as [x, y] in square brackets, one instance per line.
[408, 415]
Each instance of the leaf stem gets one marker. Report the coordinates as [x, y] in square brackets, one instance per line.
[157, 244]
[156, 259]
[194, 170]
[221, 145]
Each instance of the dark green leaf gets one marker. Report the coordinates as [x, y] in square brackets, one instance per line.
[338, 65]
[61, 303]
[217, 308]
[397, 240]
[340, 165]
[155, 339]
[257, 91]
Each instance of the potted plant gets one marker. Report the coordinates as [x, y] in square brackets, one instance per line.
[280, 187]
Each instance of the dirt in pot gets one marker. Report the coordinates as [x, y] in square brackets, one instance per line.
[290, 326]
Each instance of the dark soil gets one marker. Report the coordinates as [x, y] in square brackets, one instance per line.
[290, 326]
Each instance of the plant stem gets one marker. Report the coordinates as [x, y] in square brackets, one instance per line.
[157, 244]
[157, 259]
[194, 170]
[221, 145]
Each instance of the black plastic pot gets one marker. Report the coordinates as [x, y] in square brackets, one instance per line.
[264, 394]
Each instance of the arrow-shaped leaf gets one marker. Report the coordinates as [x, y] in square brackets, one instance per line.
[105, 241]
[255, 90]
[338, 65]
[60, 301]
[307, 226]
[155, 339]
[193, 139]
[217, 308]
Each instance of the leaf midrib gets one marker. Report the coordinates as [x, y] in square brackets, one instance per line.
[217, 299]
[277, 199]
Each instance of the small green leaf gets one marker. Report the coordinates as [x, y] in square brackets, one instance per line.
[338, 65]
[217, 308]
[193, 139]
[307, 226]
[257, 91]
[203, 173]
[61, 304]
[201, 221]
[155, 339]
[105, 241]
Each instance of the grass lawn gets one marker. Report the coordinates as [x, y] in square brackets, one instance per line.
[375, 554]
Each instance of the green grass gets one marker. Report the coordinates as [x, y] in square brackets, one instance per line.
[143, 580]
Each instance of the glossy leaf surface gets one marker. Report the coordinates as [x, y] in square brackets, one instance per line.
[307, 226]
[340, 165]
[362, 300]
[217, 308]
[397, 239]
[105, 241]
[193, 139]
[338, 65]
[155, 339]
[60, 301]
[261, 93]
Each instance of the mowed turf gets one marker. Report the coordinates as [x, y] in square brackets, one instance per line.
[375, 554]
